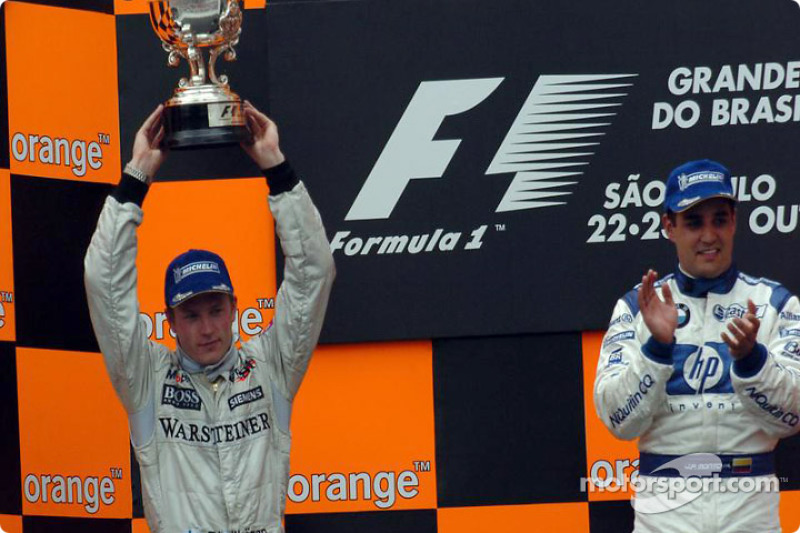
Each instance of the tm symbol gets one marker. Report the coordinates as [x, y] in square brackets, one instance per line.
[422, 466]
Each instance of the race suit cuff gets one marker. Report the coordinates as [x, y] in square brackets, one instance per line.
[280, 178]
[658, 351]
[130, 190]
[752, 363]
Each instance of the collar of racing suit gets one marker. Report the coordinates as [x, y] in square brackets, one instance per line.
[212, 372]
[700, 287]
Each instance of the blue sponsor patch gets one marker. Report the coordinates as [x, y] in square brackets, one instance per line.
[736, 311]
[625, 318]
[786, 332]
[792, 349]
[625, 335]
[616, 357]
[700, 369]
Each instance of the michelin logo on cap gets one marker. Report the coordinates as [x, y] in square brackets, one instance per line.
[195, 268]
[685, 181]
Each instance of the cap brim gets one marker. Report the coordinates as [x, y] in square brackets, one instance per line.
[198, 294]
[701, 200]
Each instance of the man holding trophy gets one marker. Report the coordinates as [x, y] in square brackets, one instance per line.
[209, 421]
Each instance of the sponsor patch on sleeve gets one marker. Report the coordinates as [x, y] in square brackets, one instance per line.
[616, 358]
[619, 337]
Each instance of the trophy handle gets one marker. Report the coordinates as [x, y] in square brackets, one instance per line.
[194, 56]
[221, 81]
[230, 23]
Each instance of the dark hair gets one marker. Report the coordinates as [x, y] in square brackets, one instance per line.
[673, 216]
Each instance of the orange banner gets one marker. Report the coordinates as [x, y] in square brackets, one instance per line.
[74, 447]
[363, 430]
[62, 90]
[7, 320]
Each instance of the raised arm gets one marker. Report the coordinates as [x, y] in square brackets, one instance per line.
[110, 273]
[635, 360]
[302, 298]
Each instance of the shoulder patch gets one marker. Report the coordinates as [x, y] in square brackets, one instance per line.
[780, 295]
[632, 299]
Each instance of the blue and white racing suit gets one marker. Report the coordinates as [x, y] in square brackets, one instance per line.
[691, 397]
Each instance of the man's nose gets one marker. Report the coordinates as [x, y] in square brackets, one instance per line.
[709, 233]
[205, 325]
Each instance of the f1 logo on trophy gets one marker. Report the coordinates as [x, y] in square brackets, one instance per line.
[203, 110]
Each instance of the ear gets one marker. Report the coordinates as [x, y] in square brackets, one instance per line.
[669, 227]
[170, 317]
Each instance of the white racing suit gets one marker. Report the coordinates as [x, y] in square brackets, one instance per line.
[214, 457]
[690, 397]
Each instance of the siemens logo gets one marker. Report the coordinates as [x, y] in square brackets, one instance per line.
[245, 397]
[79, 156]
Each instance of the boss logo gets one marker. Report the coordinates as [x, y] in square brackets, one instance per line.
[180, 398]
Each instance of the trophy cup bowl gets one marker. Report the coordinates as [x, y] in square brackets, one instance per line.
[203, 110]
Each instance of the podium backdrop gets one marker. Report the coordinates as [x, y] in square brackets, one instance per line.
[490, 176]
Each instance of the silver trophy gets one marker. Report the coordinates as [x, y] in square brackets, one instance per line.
[203, 111]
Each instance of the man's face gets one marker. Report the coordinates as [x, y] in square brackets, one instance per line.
[203, 326]
[703, 237]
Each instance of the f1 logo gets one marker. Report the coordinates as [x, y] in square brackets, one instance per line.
[231, 110]
[411, 152]
[543, 147]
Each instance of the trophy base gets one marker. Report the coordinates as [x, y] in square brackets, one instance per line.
[204, 125]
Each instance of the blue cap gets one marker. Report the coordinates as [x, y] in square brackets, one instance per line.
[195, 272]
[696, 181]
